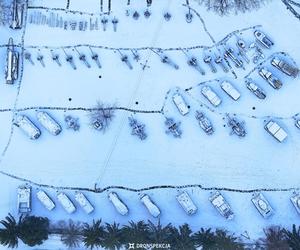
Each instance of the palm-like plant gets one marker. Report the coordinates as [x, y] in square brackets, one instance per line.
[274, 239]
[227, 241]
[93, 234]
[160, 234]
[9, 234]
[182, 238]
[135, 232]
[204, 239]
[71, 234]
[293, 237]
[112, 238]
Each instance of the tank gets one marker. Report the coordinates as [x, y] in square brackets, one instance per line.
[186, 203]
[27, 126]
[263, 39]
[118, 203]
[150, 205]
[48, 123]
[236, 126]
[45, 200]
[256, 90]
[262, 205]
[219, 202]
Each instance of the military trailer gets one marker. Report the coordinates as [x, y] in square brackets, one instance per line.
[270, 78]
[150, 205]
[48, 123]
[285, 67]
[17, 15]
[45, 200]
[186, 203]
[84, 202]
[276, 131]
[230, 90]
[12, 63]
[262, 205]
[295, 199]
[118, 203]
[27, 126]
[66, 203]
[204, 123]
[237, 127]
[24, 199]
[256, 90]
[181, 104]
[219, 202]
[211, 96]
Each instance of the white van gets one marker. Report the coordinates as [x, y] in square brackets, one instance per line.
[181, 104]
[186, 203]
[66, 202]
[45, 200]
[84, 202]
[48, 122]
[230, 90]
[118, 204]
[276, 131]
[150, 205]
[24, 199]
[211, 96]
[27, 126]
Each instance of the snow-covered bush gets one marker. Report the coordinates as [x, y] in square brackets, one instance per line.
[5, 13]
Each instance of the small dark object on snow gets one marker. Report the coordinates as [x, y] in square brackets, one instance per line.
[40, 58]
[27, 56]
[70, 60]
[115, 21]
[173, 127]
[167, 16]
[55, 57]
[189, 17]
[104, 21]
[167, 60]
[82, 58]
[236, 127]
[138, 129]
[147, 14]
[124, 58]
[72, 122]
[136, 15]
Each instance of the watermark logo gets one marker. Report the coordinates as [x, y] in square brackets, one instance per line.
[130, 245]
[149, 245]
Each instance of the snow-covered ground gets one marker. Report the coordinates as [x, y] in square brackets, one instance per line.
[116, 158]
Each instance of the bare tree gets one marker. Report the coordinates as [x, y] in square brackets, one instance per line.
[101, 116]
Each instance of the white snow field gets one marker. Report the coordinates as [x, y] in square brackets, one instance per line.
[89, 158]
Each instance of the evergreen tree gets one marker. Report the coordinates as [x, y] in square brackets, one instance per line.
[293, 237]
[93, 234]
[204, 239]
[135, 232]
[9, 234]
[182, 238]
[112, 238]
[71, 235]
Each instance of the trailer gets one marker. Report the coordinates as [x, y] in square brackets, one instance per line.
[66, 203]
[263, 39]
[12, 63]
[211, 96]
[219, 202]
[230, 90]
[276, 131]
[295, 199]
[84, 202]
[270, 78]
[181, 104]
[48, 123]
[285, 67]
[150, 205]
[262, 205]
[27, 126]
[204, 123]
[186, 203]
[118, 203]
[24, 199]
[45, 200]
